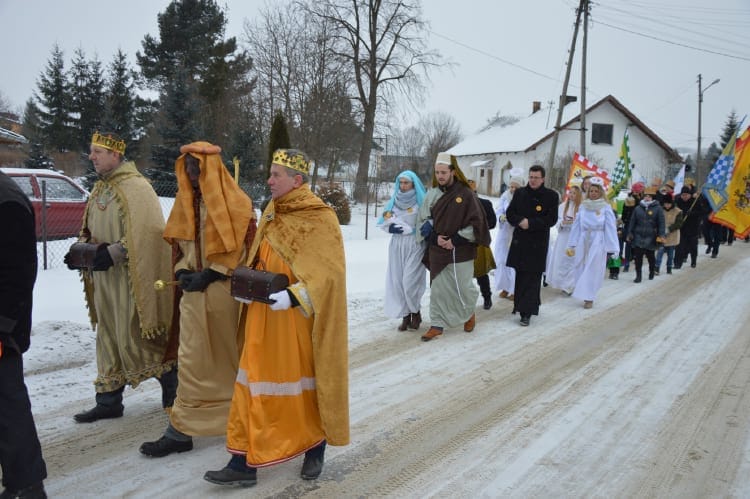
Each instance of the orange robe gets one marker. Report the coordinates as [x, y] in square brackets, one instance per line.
[291, 390]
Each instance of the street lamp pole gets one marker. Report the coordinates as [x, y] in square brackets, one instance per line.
[701, 91]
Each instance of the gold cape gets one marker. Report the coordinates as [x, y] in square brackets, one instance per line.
[305, 232]
[148, 255]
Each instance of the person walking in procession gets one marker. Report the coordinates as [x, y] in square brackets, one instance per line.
[484, 262]
[532, 212]
[406, 278]
[505, 277]
[646, 231]
[452, 222]
[291, 394]
[694, 208]
[23, 466]
[593, 239]
[561, 271]
[672, 221]
[210, 228]
[123, 218]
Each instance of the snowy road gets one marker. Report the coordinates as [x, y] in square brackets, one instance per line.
[645, 395]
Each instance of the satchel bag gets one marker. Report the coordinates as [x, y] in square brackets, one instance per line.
[257, 285]
[82, 254]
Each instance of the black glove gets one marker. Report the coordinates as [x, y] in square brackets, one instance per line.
[198, 281]
[395, 229]
[66, 260]
[102, 260]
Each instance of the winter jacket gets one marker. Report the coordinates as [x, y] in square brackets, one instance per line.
[18, 265]
[646, 224]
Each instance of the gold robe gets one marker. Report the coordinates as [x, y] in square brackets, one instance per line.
[130, 317]
[291, 390]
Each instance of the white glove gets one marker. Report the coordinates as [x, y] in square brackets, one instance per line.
[282, 301]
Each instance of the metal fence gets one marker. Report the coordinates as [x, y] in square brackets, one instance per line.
[51, 251]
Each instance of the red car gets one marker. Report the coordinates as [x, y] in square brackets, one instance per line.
[66, 201]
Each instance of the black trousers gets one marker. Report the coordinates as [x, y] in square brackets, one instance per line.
[638, 254]
[20, 452]
[527, 295]
[688, 246]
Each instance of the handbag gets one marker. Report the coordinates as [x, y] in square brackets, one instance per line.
[257, 285]
[82, 255]
[614, 262]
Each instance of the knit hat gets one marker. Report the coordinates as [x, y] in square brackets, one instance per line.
[686, 190]
[666, 198]
[637, 188]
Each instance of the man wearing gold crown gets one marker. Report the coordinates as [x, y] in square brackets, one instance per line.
[291, 394]
[211, 224]
[124, 218]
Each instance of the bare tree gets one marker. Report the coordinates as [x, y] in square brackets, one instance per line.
[441, 132]
[384, 43]
[298, 73]
[499, 120]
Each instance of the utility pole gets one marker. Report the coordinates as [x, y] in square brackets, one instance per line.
[563, 97]
[584, 44]
[701, 91]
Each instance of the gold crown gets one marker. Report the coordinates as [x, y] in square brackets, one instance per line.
[292, 158]
[108, 142]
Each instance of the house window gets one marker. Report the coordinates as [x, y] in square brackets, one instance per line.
[601, 133]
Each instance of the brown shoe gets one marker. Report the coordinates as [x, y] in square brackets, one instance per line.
[404, 323]
[469, 325]
[416, 320]
[503, 294]
[431, 333]
[588, 304]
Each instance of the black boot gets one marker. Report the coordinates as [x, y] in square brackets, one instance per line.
[637, 276]
[416, 320]
[168, 382]
[108, 406]
[165, 446]
[234, 473]
[35, 491]
[313, 464]
[485, 290]
[651, 274]
[405, 322]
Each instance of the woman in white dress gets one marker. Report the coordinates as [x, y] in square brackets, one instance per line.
[561, 268]
[593, 238]
[406, 277]
[505, 277]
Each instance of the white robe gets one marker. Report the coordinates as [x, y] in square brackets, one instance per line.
[505, 277]
[593, 235]
[561, 268]
[406, 276]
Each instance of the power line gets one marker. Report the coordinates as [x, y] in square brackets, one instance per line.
[699, 49]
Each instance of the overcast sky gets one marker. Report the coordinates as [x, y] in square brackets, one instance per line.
[505, 54]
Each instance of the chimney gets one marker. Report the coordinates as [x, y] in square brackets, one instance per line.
[536, 106]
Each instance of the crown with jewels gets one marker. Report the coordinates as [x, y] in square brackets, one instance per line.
[292, 158]
[108, 142]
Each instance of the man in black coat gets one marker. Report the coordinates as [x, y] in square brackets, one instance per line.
[694, 208]
[533, 211]
[20, 452]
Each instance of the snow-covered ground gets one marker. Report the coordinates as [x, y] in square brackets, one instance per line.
[645, 395]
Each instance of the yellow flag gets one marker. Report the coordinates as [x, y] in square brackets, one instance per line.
[735, 214]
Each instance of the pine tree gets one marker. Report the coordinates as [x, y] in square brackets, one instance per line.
[177, 123]
[87, 97]
[191, 46]
[729, 128]
[120, 114]
[54, 104]
[278, 138]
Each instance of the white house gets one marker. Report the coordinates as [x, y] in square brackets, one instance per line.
[488, 156]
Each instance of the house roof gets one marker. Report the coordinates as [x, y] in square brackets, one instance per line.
[9, 137]
[526, 134]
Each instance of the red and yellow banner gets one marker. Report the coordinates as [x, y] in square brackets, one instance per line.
[735, 213]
